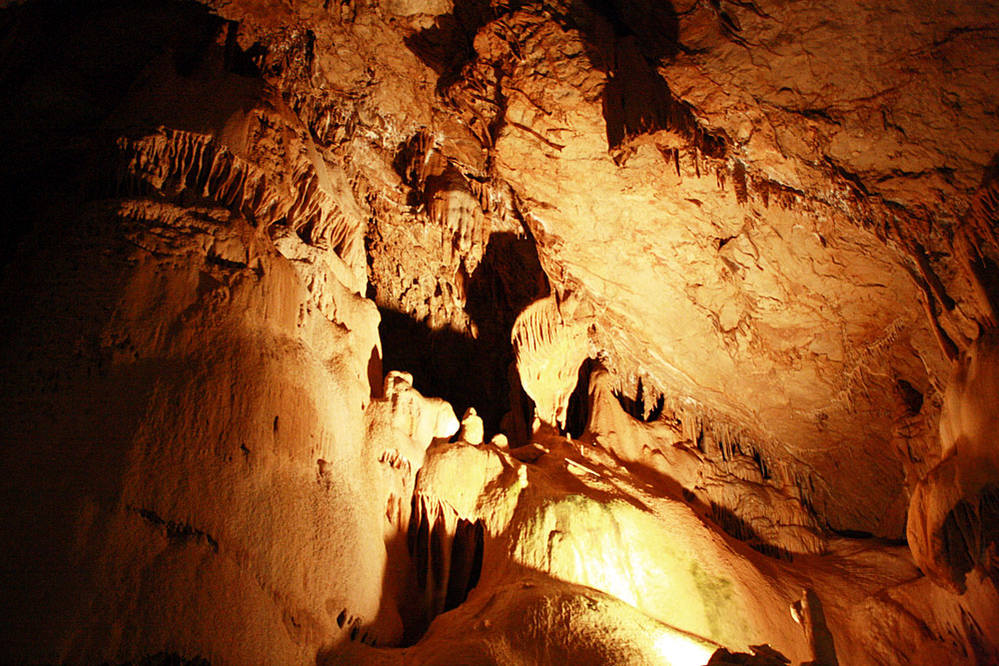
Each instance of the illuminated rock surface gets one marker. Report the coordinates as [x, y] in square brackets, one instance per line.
[715, 281]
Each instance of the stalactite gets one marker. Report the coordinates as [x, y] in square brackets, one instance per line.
[739, 182]
[450, 205]
[172, 161]
[751, 489]
[549, 350]
[447, 552]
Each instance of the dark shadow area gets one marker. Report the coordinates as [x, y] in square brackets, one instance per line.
[637, 408]
[466, 371]
[65, 66]
[761, 463]
[466, 562]
[446, 566]
[414, 159]
[507, 280]
[448, 46]
[166, 659]
[73, 400]
[736, 527]
[759, 655]
[654, 25]
[821, 639]
[970, 535]
[626, 39]
[578, 413]
[852, 534]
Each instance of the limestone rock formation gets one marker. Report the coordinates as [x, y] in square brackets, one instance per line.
[748, 495]
[472, 429]
[549, 347]
[715, 286]
[952, 526]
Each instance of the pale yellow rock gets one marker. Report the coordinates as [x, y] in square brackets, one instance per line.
[549, 350]
[472, 431]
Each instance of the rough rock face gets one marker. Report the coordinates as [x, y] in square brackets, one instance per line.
[572, 542]
[953, 521]
[765, 507]
[721, 278]
[716, 288]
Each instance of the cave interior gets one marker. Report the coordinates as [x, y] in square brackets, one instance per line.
[499, 332]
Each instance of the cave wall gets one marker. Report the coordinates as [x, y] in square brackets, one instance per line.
[184, 403]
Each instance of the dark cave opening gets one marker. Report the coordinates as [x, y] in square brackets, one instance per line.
[578, 413]
[464, 370]
[441, 362]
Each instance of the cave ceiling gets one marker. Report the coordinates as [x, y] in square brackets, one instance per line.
[736, 192]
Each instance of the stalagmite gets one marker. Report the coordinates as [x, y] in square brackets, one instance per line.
[471, 428]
